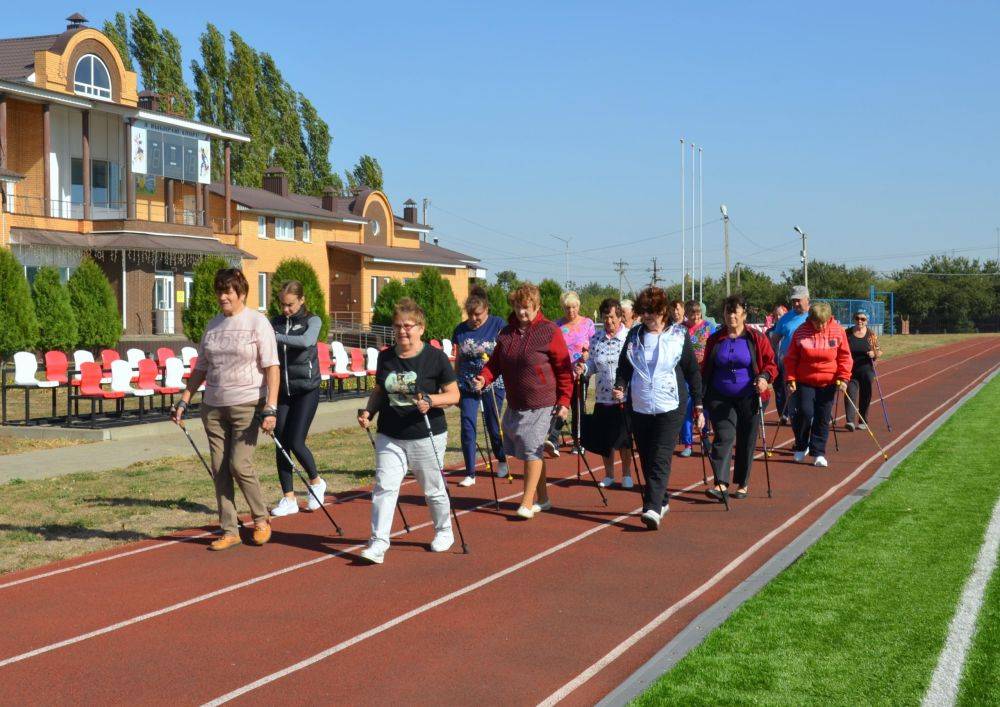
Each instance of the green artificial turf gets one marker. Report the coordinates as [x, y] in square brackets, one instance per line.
[862, 616]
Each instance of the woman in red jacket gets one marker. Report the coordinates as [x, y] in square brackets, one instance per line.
[735, 373]
[818, 362]
[532, 357]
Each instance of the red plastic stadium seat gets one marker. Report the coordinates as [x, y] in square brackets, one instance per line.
[147, 378]
[162, 354]
[56, 367]
[436, 344]
[90, 383]
[107, 356]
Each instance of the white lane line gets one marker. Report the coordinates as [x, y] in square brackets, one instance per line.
[360, 494]
[947, 675]
[240, 585]
[659, 620]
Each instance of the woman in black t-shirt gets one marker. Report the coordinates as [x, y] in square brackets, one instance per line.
[411, 380]
[864, 350]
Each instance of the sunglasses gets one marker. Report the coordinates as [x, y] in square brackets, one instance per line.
[861, 319]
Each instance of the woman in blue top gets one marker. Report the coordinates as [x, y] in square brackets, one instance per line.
[474, 341]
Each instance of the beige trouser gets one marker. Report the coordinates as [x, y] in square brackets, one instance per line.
[232, 438]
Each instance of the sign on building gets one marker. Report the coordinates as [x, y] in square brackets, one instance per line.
[166, 151]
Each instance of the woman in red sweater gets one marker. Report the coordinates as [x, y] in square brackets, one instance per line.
[532, 357]
[818, 362]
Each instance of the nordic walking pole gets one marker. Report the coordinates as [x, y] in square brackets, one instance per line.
[781, 416]
[454, 513]
[309, 487]
[881, 398]
[489, 452]
[833, 419]
[496, 406]
[867, 427]
[640, 473]
[763, 442]
[399, 508]
[581, 453]
[725, 491]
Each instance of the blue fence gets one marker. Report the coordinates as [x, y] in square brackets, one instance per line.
[844, 309]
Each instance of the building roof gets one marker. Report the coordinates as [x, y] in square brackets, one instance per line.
[127, 241]
[17, 55]
[426, 254]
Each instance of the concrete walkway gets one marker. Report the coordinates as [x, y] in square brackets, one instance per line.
[144, 442]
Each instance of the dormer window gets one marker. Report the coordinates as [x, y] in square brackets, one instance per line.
[92, 78]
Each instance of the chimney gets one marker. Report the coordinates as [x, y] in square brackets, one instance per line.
[410, 211]
[76, 21]
[276, 180]
[149, 100]
[329, 196]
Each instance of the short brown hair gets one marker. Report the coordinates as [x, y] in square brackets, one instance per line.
[477, 298]
[692, 305]
[652, 300]
[820, 313]
[406, 308]
[525, 294]
[231, 279]
[292, 287]
[609, 305]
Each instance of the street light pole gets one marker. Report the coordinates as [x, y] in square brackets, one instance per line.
[725, 242]
[566, 243]
[683, 237]
[804, 256]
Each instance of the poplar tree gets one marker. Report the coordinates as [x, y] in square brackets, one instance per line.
[282, 121]
[367, 173]
[170, 78]
[211, 81]
[245, 82]
[144, 43]
[117, 32]
[316, 135]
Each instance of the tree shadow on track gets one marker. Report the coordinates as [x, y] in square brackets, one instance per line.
[59, 531]
[174, 504]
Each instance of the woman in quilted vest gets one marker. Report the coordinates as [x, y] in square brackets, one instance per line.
[864, 351]
[532, 357]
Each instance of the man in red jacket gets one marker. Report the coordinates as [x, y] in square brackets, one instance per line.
[818, 362]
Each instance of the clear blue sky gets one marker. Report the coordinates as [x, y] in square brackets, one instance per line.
[871, 125]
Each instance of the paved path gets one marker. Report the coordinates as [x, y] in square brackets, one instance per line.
[562, 608]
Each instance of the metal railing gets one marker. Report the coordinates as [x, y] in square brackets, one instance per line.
[145, 210]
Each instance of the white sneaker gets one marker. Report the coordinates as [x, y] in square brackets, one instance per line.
[539, 507]
[664, 510]
[320, 491]
[526, 513]
[608, 482]
[286, 507]
[801, 456]
[651, 519]
[862, 426]
[551, 450]
[627, 482]
[503, 471]
[820, 461]
[443, 540]
[468, 481]
[373, 555]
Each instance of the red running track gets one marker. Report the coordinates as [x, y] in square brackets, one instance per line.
[563, 607]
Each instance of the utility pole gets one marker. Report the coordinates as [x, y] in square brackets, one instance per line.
[739, 285]
[655, 270]
[566, 243]
[620, 269]
[701, 228]
[683, 237]
[725, 242]
[692, 219]
[804, 256]
[427, 202]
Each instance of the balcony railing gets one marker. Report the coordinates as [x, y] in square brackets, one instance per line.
[145, 210]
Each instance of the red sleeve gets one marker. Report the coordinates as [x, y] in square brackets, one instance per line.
[792, 358]
[562, 369]
[767, 363]
[845, 364]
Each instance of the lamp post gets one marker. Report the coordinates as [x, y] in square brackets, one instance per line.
[725, 230]
[566, 243]
[804, 256]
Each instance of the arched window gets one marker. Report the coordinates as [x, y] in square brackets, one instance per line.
[92, 78]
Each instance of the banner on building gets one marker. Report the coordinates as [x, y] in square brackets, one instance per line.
[204, 161]
[175, 153]
[139, 149]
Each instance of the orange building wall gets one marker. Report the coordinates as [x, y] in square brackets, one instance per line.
[24, 141]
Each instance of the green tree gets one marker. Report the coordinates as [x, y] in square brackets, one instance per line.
[508, 280]
[198, 312]
[300, 269]
[499, 305]
[93, 300]
[117, 32]
[317, 139]
[284, 129]
[170, 77]
[56, 323]
[158, 55]
[433, 293]
[248, 113]
[368, 173]
[948, 295]
[385, 303]
[18, 325]
[833, 280]
[211, 81]
[550, 292]
[144, 44]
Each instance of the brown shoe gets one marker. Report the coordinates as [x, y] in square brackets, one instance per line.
[225, 542]
[261, 533]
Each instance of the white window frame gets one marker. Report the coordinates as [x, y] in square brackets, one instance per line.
[188, 288]
[262, 227]
[306, 232]
[92, 89]
[284, 229]
[262, 291]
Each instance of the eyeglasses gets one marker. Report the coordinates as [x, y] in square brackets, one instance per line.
[405, 327]
[861, 319]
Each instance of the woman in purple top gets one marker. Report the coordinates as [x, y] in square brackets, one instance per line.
[736, 370]
[577, 331]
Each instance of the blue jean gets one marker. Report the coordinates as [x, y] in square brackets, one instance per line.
[687, 429]
[781, 394]
[812, 419]
[469, 412]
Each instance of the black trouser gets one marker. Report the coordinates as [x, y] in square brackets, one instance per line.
[812, 418]
[555, 427]
[295, 415]
[860, 390]
[655, 437]
[734, 420]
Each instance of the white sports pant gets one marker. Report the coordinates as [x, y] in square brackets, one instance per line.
[393, 458]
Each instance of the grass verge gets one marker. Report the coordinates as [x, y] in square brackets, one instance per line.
[52, 519]
[17, 445]
[861, 617]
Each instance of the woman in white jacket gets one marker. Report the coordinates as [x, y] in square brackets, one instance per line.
[657, 367]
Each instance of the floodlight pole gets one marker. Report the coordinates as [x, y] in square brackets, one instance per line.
[725, 242]
[804, 256]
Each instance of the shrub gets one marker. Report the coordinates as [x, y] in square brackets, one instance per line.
[95, 306]
[434, 295]
[497, 296]
[18, 325]
[550, 292]
[301, 270]
[203, 305]
[385, 303]
[57, 326]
